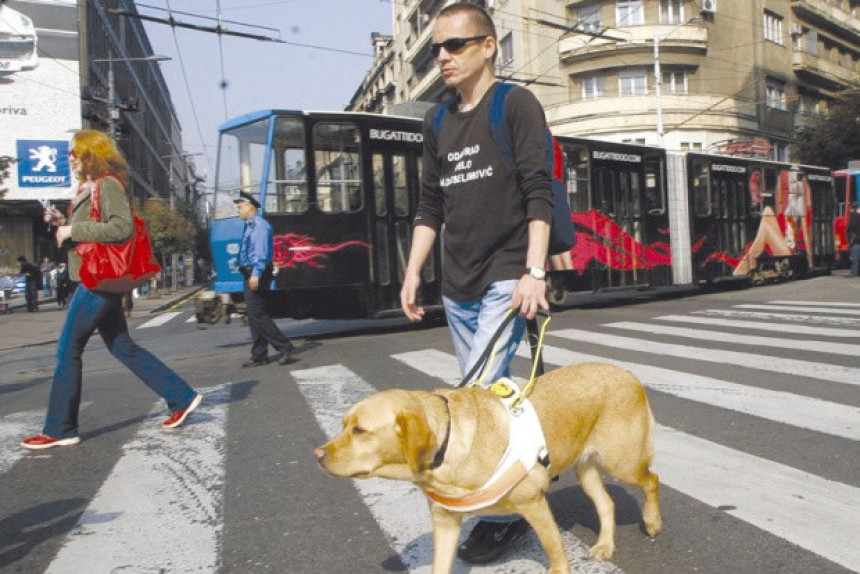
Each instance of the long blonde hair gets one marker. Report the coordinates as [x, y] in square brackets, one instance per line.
[99, 156]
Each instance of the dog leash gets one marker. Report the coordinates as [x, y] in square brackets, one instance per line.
[535, 338]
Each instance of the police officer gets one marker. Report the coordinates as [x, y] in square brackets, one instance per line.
[255, 264]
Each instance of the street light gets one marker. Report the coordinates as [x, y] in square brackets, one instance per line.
[113, 108]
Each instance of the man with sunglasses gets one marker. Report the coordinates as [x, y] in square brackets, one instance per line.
[496, 218]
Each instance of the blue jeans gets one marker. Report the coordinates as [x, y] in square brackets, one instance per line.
[854, 252]
[88, 311]
[473, 323]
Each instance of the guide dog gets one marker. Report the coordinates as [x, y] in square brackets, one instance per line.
[595, 417]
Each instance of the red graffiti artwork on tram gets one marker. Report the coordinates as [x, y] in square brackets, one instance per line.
[292, 250]
[601, 239]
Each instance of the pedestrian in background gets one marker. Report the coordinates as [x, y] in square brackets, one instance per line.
[852, 234]
[95, 160]
[32, 280]
[255, 264]
[46, 267]
[496, 218]
[64, 283]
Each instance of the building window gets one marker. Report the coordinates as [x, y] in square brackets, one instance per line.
[775, 94]
[773, 27]
[779, 152]
[632, 83]
[506, 50]
[629, 12]
[691, 146]
[589, 18]
[592, 87]
[672, 11]
[675, 82]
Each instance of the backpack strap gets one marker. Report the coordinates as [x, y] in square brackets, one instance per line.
[498, 124]
[439, 116]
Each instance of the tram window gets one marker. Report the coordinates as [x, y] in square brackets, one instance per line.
[288, 176]
[635, 194]
[701, 189]
[577, 178]
[379, 185]
[338, 167]
[289, 182]
[401, 187]
[653, 196]
[771, 179]
[404, 233]
[241, 153]
[724, 208]
[383, 269]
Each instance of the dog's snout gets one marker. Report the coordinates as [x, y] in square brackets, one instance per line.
[319, 454]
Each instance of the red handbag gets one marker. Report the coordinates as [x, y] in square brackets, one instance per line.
[116, 267]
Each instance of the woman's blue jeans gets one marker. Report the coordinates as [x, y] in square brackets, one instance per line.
[473, 323]
[88, 311]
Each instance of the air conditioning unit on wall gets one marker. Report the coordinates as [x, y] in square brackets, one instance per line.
[709, 6]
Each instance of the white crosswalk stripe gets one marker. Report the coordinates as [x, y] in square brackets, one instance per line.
[165, 490]
[796, 317]
[785, 328]
[801, 308]
[835, 373]
[750, 340]
[159, 320]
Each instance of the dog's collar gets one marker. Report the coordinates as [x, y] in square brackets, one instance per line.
[440, 454]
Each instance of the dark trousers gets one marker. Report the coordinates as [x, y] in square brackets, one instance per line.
[31, 294]
[264, 332]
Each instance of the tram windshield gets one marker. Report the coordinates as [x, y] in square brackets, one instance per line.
[242, 152]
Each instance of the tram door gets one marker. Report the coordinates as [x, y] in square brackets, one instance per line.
[630, 198]
[396, 177]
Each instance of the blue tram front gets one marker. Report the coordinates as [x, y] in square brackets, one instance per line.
[340, 191]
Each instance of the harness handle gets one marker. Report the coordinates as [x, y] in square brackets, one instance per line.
[536, 345]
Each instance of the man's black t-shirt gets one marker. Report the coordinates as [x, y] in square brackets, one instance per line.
[484, 204]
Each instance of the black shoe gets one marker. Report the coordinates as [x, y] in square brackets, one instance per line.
[490, 540]
[256, 362]
[286, 357]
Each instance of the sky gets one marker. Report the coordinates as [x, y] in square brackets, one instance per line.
[260, 74]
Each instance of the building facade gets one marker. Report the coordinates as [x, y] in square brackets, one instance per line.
[727, 76]
[83, 64]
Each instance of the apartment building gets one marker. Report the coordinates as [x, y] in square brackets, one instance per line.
[728, 76]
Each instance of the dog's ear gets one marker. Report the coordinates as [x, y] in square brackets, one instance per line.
[416, 439]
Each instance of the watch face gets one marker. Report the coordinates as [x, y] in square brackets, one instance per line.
[537, 272]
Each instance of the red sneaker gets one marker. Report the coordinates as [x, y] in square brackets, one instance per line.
[42, 441]
[177, 418]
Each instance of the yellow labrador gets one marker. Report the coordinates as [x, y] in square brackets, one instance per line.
[595, 417]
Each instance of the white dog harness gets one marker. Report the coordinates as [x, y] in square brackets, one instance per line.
[526, 446]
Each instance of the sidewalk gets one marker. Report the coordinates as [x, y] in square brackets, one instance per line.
[19, 328]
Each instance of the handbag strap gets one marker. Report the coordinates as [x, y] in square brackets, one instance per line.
[95, 201]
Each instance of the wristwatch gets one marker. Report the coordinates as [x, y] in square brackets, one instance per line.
[537, 273]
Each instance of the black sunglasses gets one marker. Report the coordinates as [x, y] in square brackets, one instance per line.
[454, 45]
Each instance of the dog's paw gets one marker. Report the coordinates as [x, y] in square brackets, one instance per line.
[601, 551]
[653, 526]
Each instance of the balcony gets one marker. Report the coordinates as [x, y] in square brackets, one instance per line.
[823, 15]
[683, 39]
[630, 114]
[821, 72]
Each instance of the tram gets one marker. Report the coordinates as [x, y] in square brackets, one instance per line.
[341, 190]
[847, 183]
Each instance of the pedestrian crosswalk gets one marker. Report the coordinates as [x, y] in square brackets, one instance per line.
[765, 382]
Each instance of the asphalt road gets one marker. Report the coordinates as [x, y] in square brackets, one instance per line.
[758, 445]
